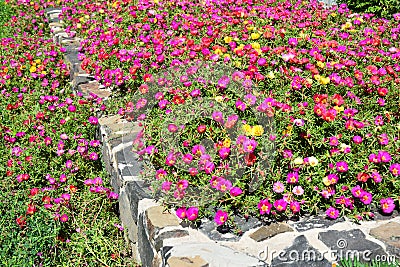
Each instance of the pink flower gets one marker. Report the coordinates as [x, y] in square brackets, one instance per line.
[280, 205]
[235, 191]
[395, 169]
[171, 159]
[166, 186]
[298, 190]
[93, 120]
[224, 185]
[366, 197]
[182, 185]
[278, 187]
[93, 156]
[264, 206]
[384, 156]
[357, 139]
[295, 207]
[220, 217]
[332, 213]
[249, 145]
[224, 152]
[387, 205]
[342, 166]
[64, 218]
[192, 213]
[181, 212]
[357, 191]
[187, 158]
[160, 174]
[292, 178]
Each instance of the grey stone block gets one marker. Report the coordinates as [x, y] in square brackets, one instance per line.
[300, 254]
[314, 222]
[351, 244]
[136, 191]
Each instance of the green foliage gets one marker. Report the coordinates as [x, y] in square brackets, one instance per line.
[381, 8]
[5, 15]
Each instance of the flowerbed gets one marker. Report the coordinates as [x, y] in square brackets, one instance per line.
[55, 202]
[326, 77]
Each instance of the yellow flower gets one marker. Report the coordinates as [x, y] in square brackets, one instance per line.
[309, 80]
[333, 14]
[257, 130]
[227, 39]
[237, 64]
[78, 25]
[227, 56]
[219, 99]
[270, 75]
[326, 181]
[32, 69]
[298, 161]
[101, 11]
[325, 80]
[218, 51]
[288, 130]
[339, 109]
[247, 129]
[321, 64]
[250, 28]
[37, 61]
[227, 142]
[256, 45]
[255, 36]
[317, 77]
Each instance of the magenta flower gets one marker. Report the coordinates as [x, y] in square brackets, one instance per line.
[172, 128]
[218, 117]
[198, 150]
[209, 167]
[264, 206]
[366, 197]
[93, 120]
[235, 191]
[64, 218]
[166, 186]
[181, 213]
[292, 178]
[333, 178]
[332, 213]
[224, 185]
[357, 191]
[182, 185]
[192, 213]
[240, 105]
[220, 217]
[295, 207]
[395, 169]
[68, 164]
[187, 158]
[376, 177]
[224, 152]
[280, 204]
[333, 141]
[357, 139]
[387, 205]
[93, 156]
[171, 159]
[160, 174]
[384, 156]
[249, 145]
[342, 166]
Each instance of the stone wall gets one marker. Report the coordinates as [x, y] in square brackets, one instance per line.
[158, 238]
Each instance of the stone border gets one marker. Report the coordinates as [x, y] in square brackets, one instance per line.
[158, 238]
